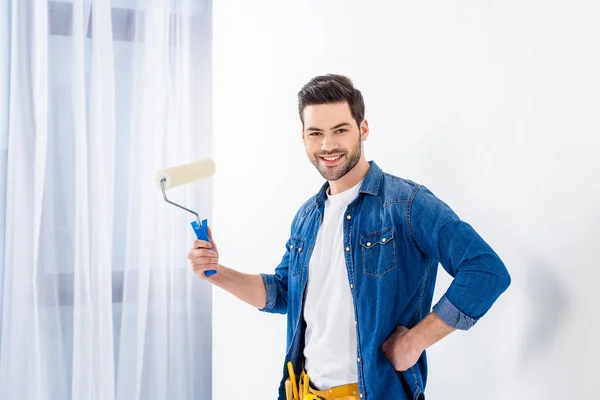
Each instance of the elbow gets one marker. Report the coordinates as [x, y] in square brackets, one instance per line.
[504, 279]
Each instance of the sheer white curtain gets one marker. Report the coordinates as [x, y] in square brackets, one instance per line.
[96, 297]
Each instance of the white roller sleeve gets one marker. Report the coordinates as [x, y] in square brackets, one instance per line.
[185, 173]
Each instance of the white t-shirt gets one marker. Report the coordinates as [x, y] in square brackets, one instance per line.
[330, 340]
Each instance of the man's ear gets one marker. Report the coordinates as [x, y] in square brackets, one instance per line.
[364, 130]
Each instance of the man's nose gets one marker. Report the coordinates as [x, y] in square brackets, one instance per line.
[329, 143]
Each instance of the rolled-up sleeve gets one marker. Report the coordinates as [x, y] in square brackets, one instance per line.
[276, 286]
[480, 276]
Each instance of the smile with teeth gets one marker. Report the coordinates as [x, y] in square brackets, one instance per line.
[331, 158]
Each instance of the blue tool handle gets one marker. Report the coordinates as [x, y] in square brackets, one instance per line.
[202, 234]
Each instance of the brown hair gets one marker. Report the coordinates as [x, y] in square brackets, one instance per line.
[328, 89]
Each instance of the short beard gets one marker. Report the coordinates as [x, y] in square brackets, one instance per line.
[333, 174]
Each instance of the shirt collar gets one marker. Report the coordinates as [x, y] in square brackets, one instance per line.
[370, 184]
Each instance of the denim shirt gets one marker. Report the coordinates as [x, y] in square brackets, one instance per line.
[395, 234]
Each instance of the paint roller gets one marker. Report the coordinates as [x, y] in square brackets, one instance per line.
[180, 175]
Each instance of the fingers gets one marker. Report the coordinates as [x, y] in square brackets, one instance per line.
[201, 264]
[196, 253]
[396, 351]
[202, 258]
[199, 269]
[386, 344]
[202, 244]
[389, 353]
[388, 349]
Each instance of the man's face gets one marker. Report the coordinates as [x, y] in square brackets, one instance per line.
[332, 139]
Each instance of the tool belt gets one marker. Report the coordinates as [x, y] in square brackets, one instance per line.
[304, 392]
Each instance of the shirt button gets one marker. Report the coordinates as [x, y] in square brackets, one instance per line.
[360, 395]
[351, 286]
[355, 322]
[358, 359]
[347, 248]
[384, 240]
[368, 244]
[349, 216]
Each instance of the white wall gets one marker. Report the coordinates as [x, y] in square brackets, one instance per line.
[4, 99]
[492, 105]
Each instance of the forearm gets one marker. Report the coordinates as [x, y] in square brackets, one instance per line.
[246, 287]
[428, 332]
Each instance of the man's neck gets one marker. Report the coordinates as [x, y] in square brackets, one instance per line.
[349, 180]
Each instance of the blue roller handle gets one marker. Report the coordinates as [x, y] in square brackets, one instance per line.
[202, 234]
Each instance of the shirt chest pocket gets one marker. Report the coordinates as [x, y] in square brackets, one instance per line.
[378, 253]
[296, 249]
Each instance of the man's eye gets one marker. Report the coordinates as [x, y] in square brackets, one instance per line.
[341, 131]
[315, 133]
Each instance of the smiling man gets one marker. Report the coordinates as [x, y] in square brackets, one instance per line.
[358, 275]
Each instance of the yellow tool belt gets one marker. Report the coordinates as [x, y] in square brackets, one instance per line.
[305, 392]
